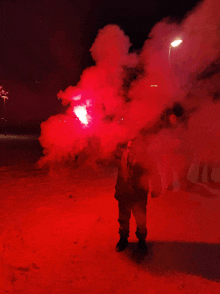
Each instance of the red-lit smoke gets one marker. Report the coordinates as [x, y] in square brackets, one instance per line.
[126, 92]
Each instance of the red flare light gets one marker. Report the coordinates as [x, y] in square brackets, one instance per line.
[81, 112]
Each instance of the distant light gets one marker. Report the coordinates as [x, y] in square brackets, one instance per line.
[154, 86]
[176, 43]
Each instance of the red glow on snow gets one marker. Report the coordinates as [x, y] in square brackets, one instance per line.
[81, 113]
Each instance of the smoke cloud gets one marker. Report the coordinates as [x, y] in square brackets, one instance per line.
[166, 97]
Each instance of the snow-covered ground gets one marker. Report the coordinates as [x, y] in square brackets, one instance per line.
[59, 230]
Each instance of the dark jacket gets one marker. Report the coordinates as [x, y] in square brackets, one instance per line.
[128, 188]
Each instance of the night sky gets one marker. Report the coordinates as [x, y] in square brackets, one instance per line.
[45, 45]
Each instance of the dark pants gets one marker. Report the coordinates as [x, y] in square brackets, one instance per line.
[209, 171]
[139, 210]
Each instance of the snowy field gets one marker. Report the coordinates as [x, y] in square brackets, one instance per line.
[59, 230]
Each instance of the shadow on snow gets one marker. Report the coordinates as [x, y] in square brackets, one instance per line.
[200, 259]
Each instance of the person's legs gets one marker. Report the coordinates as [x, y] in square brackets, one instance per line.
[124, 219]
[183, 170]
[201, 168]
[209, 173]
[139, 211]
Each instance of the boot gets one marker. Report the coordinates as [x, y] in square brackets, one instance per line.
[142, 245]
[122, 244]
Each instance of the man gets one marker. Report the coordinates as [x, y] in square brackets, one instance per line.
[131, 197]
[176, 159]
